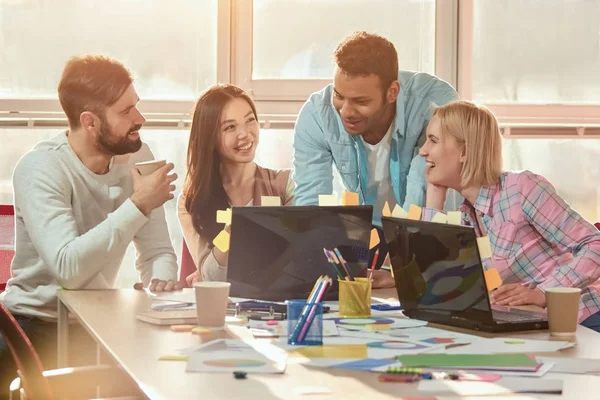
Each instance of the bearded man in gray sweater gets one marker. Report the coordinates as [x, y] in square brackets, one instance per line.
[79, 202]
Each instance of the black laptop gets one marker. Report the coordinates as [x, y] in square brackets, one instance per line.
[439, 278]
[276, 253]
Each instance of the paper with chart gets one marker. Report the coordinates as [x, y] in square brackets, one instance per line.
[228, 355]
[374, 324]
[279, 328]
[384, 348]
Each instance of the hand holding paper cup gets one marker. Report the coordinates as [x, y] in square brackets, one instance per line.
[148, 167]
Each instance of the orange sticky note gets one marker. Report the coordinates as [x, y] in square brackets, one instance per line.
[349, 199]
[270, 201]
[399, 212]
[455, 217]
[221, 241]
[374, 238]
[484, 246]
[328, 200]
[224, 216]
[440, 218]
[386, 212]
[414, 212]
[492, 279]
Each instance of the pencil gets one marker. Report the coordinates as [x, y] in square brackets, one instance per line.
[344, 264]
[373, 264]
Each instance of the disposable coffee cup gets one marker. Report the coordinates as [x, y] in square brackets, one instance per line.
[148, 167]
[211, 303]
[563, 310]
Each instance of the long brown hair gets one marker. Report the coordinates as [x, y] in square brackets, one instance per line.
[203, 187]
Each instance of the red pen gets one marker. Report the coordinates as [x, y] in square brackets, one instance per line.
[373, 264]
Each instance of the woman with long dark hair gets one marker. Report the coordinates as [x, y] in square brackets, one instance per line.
[221, 173]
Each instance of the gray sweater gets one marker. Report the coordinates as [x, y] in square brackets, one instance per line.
[73, 228]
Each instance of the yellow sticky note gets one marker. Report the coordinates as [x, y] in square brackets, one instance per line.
[386, 212]
[224, 216]
[414, 212]
[331, 351]
[399, 212]
[328, 200]
[455, 217]
[374, 238]
[440, 218]
[270, 201]
[349, 199]
[221, 241]
[484, 246]
[492, 279]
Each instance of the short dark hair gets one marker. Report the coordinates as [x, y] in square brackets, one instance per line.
[91, 83]
[363, 54]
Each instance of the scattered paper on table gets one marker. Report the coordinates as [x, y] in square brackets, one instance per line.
[399, 212]
[326, 351]
[280, 328]
[454, 217]
[507, 385]
[484, 246]
[386, 212]
[374, 238]
[565, 365]
[349, 199]
[328, 200]
[221, 241]
[492, 279]
[224, 217]
[414, 212]
[271, 201]
[510, 345]
[373, 324]
[440, 218]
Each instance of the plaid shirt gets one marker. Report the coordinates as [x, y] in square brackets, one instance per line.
[536, 238]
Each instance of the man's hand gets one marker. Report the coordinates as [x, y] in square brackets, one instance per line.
[435, 196]
[156, 285]
[193, 278]
[382, 279]
[515, 294]
[152, 191]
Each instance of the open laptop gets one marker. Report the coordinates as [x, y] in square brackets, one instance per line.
[439, 278]
[276, 253]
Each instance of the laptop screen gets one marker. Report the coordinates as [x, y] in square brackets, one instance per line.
[276, 253]
[437, 268]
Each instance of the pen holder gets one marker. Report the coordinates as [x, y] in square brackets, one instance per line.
[355, 298]
[305, 323]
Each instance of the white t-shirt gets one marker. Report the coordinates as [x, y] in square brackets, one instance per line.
[378, 167]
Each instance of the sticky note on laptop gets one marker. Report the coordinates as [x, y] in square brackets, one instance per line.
[328, 200]
[484, 246]
[414, 212]
[374, 238]
[349, 199]
[399, 212]
[386, 212]
[221, 241]
[270, 201]
[455, 217]
[440, 218]
[224, 216]
[492, 279]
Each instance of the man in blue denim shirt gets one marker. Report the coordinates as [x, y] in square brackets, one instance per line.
[370, 123]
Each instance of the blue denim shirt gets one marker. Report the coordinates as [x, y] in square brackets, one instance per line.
[320, 141]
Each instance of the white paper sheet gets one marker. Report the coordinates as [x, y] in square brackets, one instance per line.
[509, 345]
[572, 365]
[506, 385]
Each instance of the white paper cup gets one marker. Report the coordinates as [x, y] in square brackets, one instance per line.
[148, 167]
[211, 303]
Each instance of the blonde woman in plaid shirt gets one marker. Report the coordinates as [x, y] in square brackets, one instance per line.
[538, 241]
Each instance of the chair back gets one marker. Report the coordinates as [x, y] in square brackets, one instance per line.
[28, 363]
[187, 265]
[7, 242]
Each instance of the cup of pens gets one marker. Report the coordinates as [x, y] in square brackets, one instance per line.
[310, 328]
[355, 298]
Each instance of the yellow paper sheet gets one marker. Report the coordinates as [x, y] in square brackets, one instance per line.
[221, 241]
[440, 218]
[386, 212]
[328, 200]
[270, 201]
[224, 216]
[374, 238]
[484, 246]
[349, 199]
[414, 212]
[331, 351]
[399, 212]
[455, 217]
[492, 279]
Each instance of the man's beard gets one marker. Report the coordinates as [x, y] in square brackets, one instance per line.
[112, 144]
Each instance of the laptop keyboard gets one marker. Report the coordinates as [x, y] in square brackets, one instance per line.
[515, 316]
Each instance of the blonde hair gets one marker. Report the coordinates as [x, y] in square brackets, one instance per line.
[477, 129]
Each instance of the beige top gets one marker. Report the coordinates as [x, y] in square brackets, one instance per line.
[268, 183]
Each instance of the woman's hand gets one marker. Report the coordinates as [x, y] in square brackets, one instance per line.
[436, 196]
[515, 294]
[382, 279]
